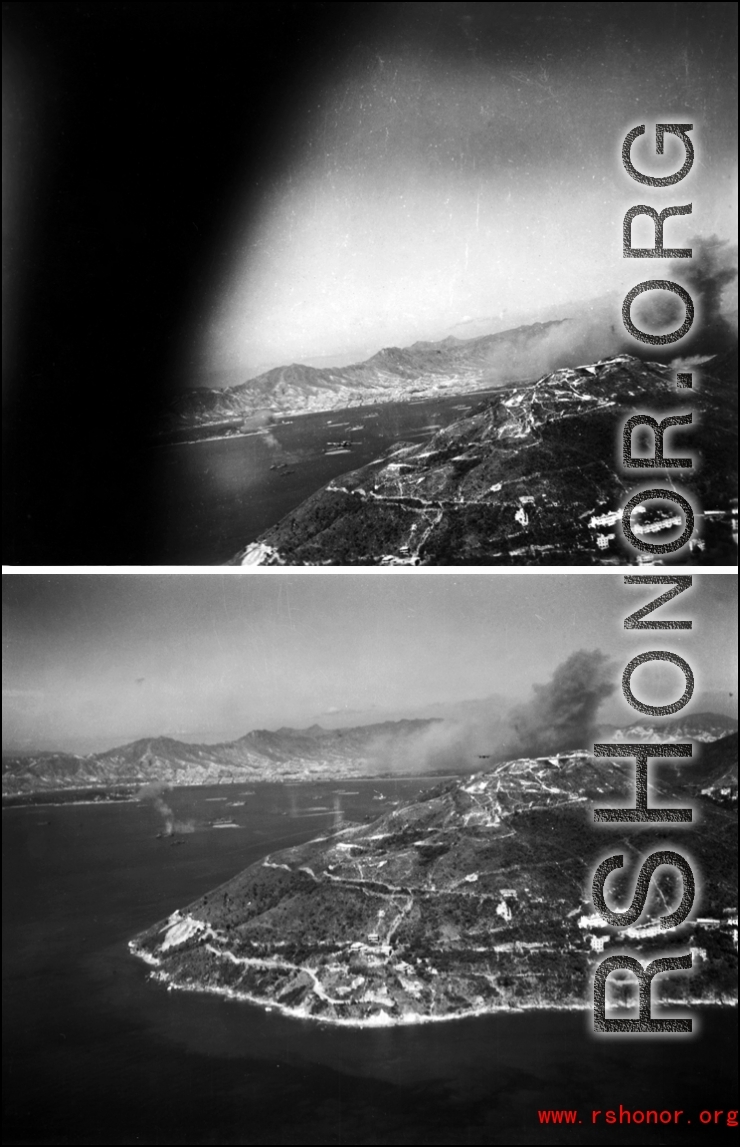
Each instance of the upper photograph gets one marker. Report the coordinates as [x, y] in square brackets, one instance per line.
[404, 284]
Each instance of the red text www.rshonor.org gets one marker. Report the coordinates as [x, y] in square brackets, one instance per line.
[623, 1115]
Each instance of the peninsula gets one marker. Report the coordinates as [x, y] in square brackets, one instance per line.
[469, 900]
[529, 477]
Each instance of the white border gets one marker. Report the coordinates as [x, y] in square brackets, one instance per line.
[376, 571]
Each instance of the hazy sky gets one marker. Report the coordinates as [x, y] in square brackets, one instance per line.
[93, 661]
[462, 160]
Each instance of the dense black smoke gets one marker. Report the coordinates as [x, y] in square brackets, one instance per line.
[561, 716]
[152, 792]
[706, 275]
[562, 713]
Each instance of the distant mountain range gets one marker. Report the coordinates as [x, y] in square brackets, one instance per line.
[529, 477]
[704, 727]
[261, 755]
[401, 747]
[452, 365]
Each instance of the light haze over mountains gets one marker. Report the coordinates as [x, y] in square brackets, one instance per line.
[94, 661]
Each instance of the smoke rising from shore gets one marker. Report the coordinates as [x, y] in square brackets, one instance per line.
[706, 275]
[711, 269]
[561, 715]
[152, 793]
[442, 746]
[599, 332]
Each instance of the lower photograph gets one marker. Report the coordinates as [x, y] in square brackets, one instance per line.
[372, 858]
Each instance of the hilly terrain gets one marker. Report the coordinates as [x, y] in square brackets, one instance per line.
[706, 727]
[471, 899]
[716, 777]
[421, 370]
[531, 476]
[402, 747]
[262, 755]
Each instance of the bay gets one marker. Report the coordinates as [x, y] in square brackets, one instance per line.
[94, 1052]
[218, 495]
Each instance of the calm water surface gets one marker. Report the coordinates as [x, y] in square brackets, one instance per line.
[217, 496]
[94, 1052]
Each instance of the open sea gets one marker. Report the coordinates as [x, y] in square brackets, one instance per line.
[217, 496]
[96, 1053]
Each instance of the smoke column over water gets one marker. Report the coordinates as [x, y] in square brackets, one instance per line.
[152, 792]
[562, 714]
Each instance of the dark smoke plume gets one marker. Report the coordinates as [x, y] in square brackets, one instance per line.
[598, 332]
[706, 275]
[562, 714]
[711, 269]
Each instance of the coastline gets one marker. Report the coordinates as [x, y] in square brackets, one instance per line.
[381, 1019]
[383, 398]
[71, 804]
[25, 800]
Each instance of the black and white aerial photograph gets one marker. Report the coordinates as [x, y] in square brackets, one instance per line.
[301, 858]
[314, 834]
[370, 284]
